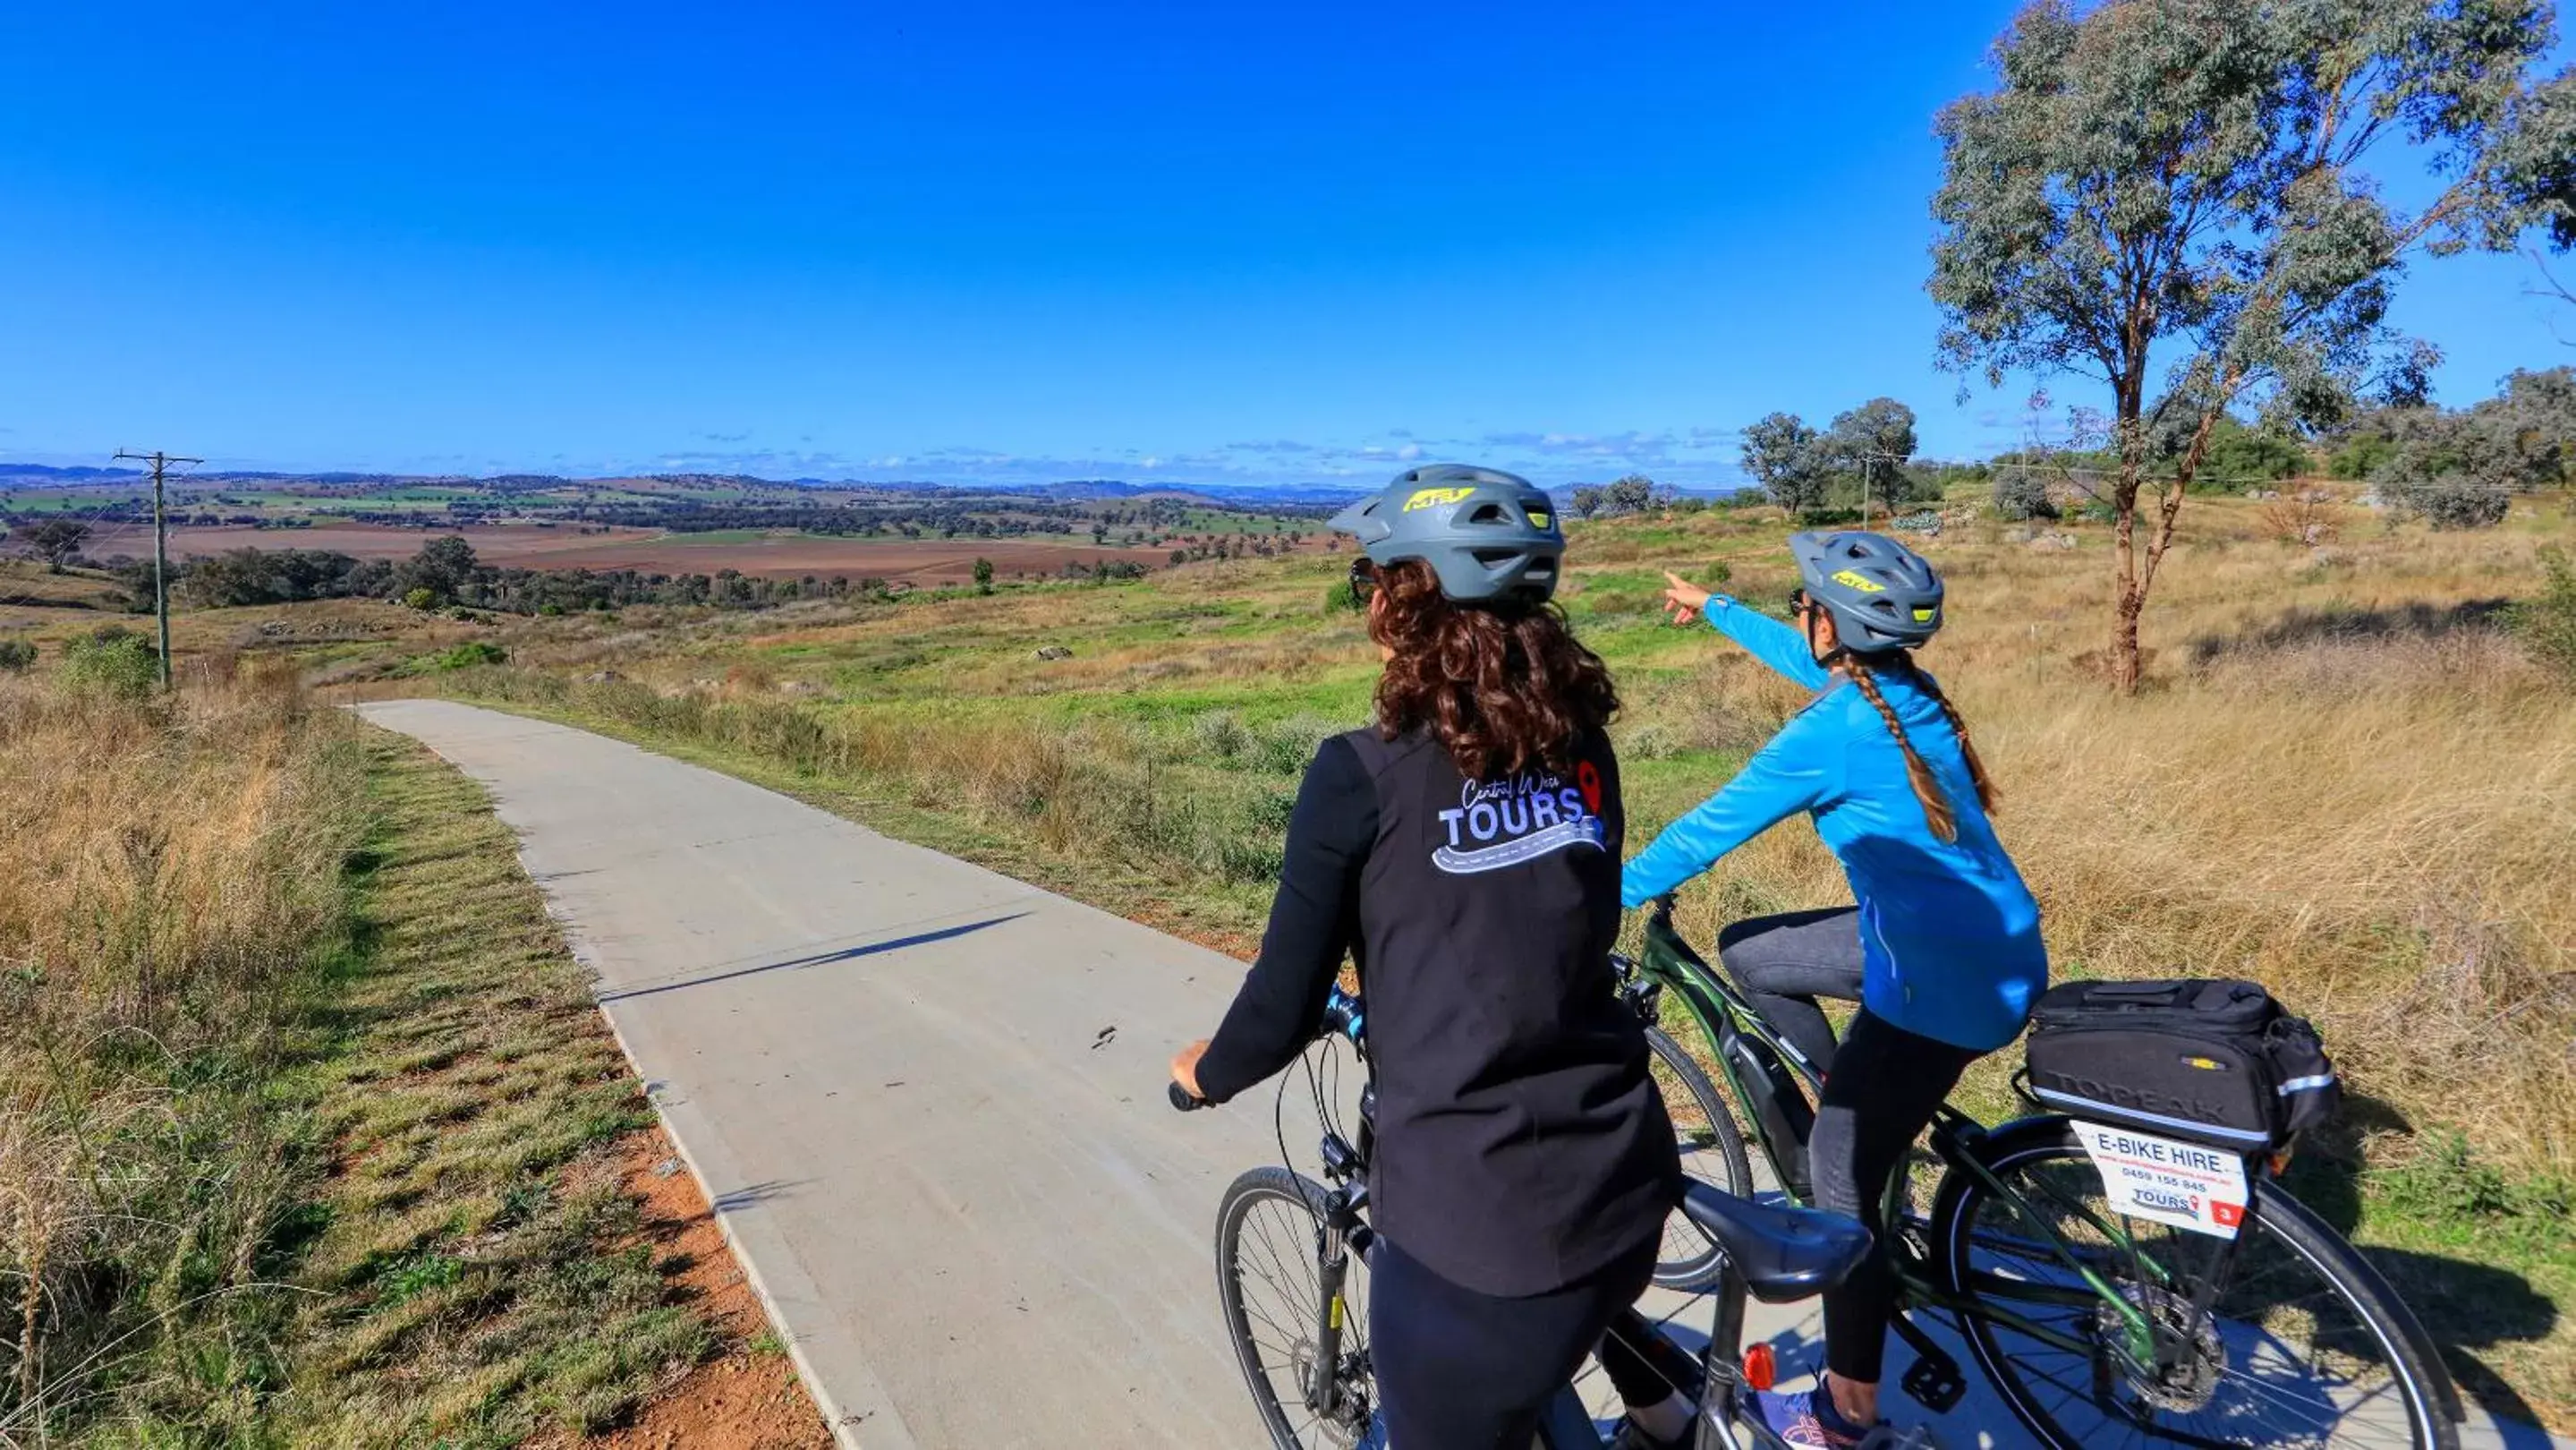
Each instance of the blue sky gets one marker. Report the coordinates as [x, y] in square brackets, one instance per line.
[1203, 243]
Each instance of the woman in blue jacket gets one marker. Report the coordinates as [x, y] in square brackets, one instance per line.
[1942, 948]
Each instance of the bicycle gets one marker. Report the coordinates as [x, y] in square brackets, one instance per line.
[1321, 1381]
[2143, 1331]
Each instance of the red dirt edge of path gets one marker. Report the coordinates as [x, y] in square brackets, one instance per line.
[748, 1396]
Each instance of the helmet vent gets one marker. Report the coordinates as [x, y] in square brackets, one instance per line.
[1491, 513]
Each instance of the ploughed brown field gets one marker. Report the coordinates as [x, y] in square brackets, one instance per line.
[793, 556]
[651, 551]
[523, 544]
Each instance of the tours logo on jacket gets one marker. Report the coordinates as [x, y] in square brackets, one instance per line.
[1506, 822]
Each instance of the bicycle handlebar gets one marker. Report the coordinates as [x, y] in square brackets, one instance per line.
[1183, 1102]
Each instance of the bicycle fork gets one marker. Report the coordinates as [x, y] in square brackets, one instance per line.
[1341, 1233]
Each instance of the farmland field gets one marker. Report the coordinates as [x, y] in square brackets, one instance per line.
[534, 545]
[676, 526]
[792, 555]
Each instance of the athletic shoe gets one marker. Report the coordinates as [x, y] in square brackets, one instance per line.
[1807, 1420]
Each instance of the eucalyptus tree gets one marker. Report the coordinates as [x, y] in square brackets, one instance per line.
[2193, 186]
[1788, 459]
[1874, 442]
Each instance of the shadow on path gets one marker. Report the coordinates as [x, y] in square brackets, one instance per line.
[846, 954]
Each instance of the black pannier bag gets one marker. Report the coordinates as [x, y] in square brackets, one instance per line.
[2211, 1061]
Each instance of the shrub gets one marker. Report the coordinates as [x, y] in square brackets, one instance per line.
[16, 656]
[421, 599]
[2021, 497]
[2307, 517]
[1286, 747]
[1251, 856]
[468, 655]
[2361, 457]
[2450, 501]
[1220, 734]
[113, 660]
[1717, 575]
[2547, 624]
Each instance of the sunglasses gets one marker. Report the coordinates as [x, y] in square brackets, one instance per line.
[1363, 580]
[1799, 603]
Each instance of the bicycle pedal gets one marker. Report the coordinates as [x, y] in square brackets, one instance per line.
[1934, 1382]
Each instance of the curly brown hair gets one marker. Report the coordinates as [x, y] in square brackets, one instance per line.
[1503, 689]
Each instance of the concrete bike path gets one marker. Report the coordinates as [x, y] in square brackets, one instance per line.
[924, 1099]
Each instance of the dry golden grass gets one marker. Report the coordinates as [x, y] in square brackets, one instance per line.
[2342, 781]
[168, 866]
[300, 1144]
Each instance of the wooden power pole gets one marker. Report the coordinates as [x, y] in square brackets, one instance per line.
[160, 550]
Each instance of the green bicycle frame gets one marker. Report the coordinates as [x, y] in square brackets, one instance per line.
[1719, 1010]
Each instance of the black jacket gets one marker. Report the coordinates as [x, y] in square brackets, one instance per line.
[1521, 1144]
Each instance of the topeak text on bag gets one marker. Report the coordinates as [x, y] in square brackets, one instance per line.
[2212, 1061]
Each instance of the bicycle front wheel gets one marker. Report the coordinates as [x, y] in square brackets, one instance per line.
[1270, 1278]
[2301, 1342]
[1712, 1150]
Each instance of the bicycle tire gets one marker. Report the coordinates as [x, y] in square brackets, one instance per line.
[1688, 1253]
[1291, 1425]
[2424, 1396]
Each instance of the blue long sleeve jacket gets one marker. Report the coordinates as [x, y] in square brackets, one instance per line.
[1949, 933]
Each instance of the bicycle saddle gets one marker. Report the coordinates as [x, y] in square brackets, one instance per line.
[1782, 1253]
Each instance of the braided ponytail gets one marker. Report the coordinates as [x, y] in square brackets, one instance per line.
[1936, 806]
[1986, 795]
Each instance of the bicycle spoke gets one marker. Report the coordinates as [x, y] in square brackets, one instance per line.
[1288, 1282]
[2284, 1354]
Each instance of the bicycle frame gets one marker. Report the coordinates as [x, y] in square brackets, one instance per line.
[1344, 1230]
[1724, 1015]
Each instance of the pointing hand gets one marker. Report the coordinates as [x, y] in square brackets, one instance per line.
[1683, 598]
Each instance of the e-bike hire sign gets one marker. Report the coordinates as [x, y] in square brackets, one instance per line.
[2187, 1185]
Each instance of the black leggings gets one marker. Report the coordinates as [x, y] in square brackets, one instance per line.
[1459, 1370]
[1881, 1086]
[1885, 1083]
[1785, 962]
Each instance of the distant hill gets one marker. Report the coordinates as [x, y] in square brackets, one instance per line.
[1081, 490]
[38, 475]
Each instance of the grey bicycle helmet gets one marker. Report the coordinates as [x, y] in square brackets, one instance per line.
[1881, 594]
[1490, 536]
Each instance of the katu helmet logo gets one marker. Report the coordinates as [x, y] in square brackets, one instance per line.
[1880, 594]
[1491, 537]
[1424, 498]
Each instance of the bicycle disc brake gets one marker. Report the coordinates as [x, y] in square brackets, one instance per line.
[1348, 1425]
[2189, 1356]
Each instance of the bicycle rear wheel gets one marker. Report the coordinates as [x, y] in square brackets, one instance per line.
[1270, 1278]
[2303, 1343]
[1712, 1149]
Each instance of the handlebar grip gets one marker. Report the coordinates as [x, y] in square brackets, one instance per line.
[1182, 1101]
